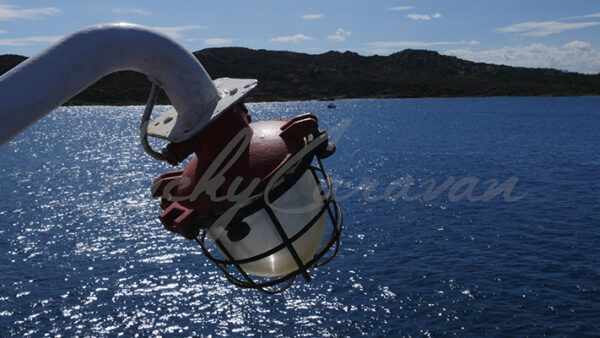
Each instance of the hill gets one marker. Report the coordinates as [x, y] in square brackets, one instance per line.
[332, 75]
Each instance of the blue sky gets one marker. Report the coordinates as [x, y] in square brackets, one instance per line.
[534, 33]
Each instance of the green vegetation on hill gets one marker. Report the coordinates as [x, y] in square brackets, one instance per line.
[334, 75]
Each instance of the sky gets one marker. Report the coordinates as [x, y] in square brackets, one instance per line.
[557, 34]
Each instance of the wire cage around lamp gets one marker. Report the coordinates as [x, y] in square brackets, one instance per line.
[294, 244]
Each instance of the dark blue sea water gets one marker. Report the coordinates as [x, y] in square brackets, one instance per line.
[83, 253]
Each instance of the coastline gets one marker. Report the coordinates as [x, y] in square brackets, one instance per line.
[69, 104]
[289, 76]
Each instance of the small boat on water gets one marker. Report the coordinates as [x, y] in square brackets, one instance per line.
[331, 106]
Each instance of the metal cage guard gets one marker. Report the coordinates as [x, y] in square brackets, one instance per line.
[335, 217]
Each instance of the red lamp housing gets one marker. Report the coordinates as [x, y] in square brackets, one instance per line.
[253, 188]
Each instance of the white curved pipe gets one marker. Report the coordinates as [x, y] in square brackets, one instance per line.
[43, 82]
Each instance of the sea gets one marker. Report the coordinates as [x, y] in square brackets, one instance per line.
[462, 217]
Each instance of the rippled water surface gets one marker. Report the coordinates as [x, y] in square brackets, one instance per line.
[83, 253]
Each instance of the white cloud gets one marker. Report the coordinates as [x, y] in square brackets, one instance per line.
[579, 45]
[175, 32]
[29, 40]
[415, 44]
[3, 31]
[131, 10]
[381, 51]
[593, 15]
[400, 8]
[544, 28]
[291, 38]
[340, 35]
[312, 16]
[219, 41]
[578, 56]
[416, 17]
[8, 12]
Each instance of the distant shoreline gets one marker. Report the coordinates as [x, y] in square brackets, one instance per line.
[289, 76]
[348, 98]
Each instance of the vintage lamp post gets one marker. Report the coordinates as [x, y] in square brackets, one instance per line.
[254, 188]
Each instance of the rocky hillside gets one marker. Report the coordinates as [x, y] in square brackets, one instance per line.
[296, 76]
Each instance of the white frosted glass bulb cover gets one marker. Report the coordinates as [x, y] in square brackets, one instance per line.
[294, 210]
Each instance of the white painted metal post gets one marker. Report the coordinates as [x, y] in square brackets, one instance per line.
[43, 82]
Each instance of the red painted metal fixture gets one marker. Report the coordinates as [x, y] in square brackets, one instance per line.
[254, 190]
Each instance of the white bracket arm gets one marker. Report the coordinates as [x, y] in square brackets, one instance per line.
[42, 83]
